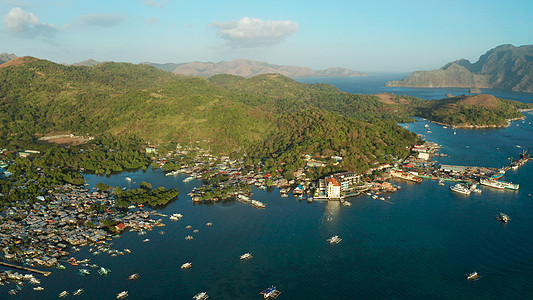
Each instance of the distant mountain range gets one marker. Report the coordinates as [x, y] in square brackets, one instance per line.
[250, 68]
[5, 57]
[505, 67]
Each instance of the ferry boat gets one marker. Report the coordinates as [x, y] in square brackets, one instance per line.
[134, 276]
[258, 204]
[459, 188]
[334, 239]
[499, 184]
[270, 292]
[122, 295]
[245, 256]
[200, 296]
[78, 292]
[472, 276]
[503, 217]
[186, 265]
[63, 294]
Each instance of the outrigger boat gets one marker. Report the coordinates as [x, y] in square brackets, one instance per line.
[84, 272]
[200, 296]
[122, 295]
[503, 217]
[270, 292]
[186, 265]
[334, 240]
[63, 294]
[245, 256]
[78, 292]
[134, 276]
[103, 271]
[472, 276]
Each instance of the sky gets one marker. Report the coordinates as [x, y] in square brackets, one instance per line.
[368, 36]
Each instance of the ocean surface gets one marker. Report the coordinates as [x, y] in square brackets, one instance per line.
[419, 247]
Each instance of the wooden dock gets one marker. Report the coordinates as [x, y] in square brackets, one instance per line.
[45, 273]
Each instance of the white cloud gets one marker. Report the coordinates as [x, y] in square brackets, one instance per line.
[152, 21]
[103, 20]
[252, 32]
[25, 23]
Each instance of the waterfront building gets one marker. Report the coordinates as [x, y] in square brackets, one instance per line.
[333, 190]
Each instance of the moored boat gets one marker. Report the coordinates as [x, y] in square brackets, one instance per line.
[459, 188]
[258, 204]
[499, 184]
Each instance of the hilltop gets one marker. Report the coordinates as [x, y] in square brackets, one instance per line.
[250, 68]
[264, 116]
[5, 57]
[505, 67]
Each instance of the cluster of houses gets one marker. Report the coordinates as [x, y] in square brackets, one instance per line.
[52, 227]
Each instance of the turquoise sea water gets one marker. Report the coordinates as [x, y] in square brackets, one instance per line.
[420, 247]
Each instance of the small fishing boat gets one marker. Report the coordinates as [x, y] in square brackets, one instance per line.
[270, 292]
[189, 237]
[186, 265]
[38, 288]
[63, 294]
[245, 256]
[83, 272]
[134, 276]
[103, 271]
[503, 217]
[78, 292]
[122, 295]
[472, 276]
[146, 240]
[208, 224]
[334, 239]
[200, 296]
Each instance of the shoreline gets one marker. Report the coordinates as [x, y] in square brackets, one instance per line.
[479, 126]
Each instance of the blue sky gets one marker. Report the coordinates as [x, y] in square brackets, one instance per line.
[371, 36]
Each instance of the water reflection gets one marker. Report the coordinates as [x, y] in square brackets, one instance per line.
[331, 213]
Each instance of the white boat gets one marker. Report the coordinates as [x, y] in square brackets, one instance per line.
[472, 276]
[459, 188]
[258, 204]
[189, 237]
[134, 276]
[245, 256]
[190, 178]
[200, 296]
[208, 224]
[63, 294]
[35, 281]
[334, 239]
[346, 203]
[146, 240]
[78, 292]
[186, 265]
[38, 288]
[128, 179]
[176, 217]
[503, 217]
[499, 184]
[176, 172]
[103, 271]
[243, 198]
[122, 295]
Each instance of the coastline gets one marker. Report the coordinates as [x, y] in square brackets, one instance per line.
[479, 126]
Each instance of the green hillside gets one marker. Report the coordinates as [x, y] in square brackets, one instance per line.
[226, 113]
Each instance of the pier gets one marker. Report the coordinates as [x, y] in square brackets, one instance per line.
[45, 273]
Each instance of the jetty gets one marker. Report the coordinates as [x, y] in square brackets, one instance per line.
[45, 273]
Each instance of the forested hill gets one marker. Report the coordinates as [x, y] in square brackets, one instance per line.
[505, 67]
[265, 115]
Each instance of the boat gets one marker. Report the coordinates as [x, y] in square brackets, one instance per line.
[83, 272]
[208, 224]
[175, 172]
[188, 227]
[103, 271]
[245, 256]
[499, 184]
[190, 178]
[503, 217]
[459, 188]
[127, 250]
[200, 296]
[334, 239]
[176, 217]
[472, 276]
[60, 267]
[346, 203]
[243, 198]
[128, 179]
[35, 281]
[122, 295]
[258, 204]
[38, 288]
[270, 292]
[78, 292]
[63, 294]
[189, 237]
[146, 240]
[186, 265]
[134, 276]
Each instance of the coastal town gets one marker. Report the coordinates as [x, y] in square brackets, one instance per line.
[48, 232]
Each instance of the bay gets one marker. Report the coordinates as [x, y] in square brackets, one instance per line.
[420, 247]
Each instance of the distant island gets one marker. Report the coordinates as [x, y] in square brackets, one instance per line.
[250, 68]
[505, 67]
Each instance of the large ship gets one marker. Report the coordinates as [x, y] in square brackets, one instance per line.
[499, 184]
[459, 188]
